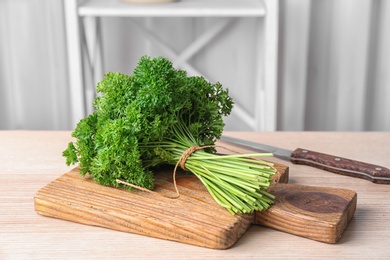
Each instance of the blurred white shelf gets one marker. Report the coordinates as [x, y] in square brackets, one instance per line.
[85, 49]
[182, 8]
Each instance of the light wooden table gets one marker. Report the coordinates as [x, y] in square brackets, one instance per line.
[31, 159]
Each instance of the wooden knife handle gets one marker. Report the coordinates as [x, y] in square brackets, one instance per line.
[374, 173]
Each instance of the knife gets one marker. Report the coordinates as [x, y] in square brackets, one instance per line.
[335, 164]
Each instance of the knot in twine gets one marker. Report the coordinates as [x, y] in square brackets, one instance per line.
[182, 161]
[183, 158]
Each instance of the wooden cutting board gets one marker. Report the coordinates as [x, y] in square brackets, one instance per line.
[195, 218]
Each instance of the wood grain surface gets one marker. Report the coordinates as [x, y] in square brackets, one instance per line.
[29, 160]
[195, 218]
[318, 213]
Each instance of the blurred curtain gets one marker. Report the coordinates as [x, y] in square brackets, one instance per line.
[33, 65]
[334, 64]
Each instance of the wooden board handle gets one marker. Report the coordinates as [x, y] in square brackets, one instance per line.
[374, 173]
[318, 213]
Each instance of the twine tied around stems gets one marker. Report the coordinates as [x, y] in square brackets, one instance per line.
[182, 160]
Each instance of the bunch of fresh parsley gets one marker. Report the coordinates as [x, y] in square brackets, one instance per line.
[152, 117]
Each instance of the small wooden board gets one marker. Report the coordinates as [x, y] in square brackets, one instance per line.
[318, 213]
[193, 218]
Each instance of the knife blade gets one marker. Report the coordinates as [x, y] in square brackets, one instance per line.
[331, 163]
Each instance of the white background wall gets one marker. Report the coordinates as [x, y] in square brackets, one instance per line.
[334, 62]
